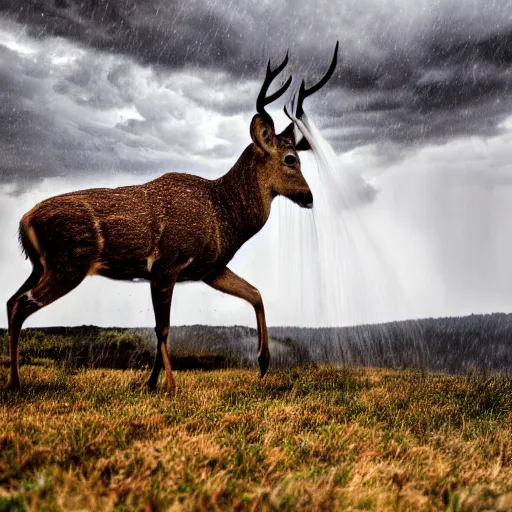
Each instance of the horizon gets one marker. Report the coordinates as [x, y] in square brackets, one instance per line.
[150, 327]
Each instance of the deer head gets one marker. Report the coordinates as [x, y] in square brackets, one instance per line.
[279, 153]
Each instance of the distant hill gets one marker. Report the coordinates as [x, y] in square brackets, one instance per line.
[475, 343]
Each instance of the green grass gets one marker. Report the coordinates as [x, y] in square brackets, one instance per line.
[302, 439]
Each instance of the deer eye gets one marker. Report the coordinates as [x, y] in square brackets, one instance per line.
[290, 160]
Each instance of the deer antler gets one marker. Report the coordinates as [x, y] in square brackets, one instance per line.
[263, 99]
[304, 93]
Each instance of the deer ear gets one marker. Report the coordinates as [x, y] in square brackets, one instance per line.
[288, 132]
[302, 145]
[263, 133]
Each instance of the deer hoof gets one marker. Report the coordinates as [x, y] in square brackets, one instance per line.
[148, 387]
[13, 385]
[171, 386]
[264, 361]
[171, 391]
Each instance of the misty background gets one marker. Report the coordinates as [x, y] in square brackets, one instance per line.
[114, 93]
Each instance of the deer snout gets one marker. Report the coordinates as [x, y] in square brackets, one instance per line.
[304, 199]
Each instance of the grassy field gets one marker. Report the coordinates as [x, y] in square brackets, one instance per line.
[304, 439]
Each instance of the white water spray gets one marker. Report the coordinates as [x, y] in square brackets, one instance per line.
[340, 269]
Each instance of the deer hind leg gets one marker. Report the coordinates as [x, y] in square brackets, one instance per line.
[49, 287]
[228, 282]
[33, 279]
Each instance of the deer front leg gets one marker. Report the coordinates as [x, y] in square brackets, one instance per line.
[228, 282]
[161, 296]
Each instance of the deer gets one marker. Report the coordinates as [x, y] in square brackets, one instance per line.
[178, 227]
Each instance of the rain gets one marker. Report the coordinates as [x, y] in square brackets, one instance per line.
[267, 286]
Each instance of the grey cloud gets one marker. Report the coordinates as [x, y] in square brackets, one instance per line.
[169, 33]
[66, 112]
[409, 74]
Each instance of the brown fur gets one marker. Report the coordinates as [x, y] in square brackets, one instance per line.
[178, 227]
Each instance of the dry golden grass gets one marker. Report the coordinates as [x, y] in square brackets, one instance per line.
[305, 439]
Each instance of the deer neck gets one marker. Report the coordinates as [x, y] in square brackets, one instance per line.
[245, 195]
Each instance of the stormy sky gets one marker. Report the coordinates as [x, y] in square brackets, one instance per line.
[107, 93]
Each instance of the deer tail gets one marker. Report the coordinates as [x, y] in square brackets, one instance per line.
[28, 241]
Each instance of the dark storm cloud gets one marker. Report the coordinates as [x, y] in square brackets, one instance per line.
[409, 74]
[64, 111]
[452, 90]
[168, 33]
